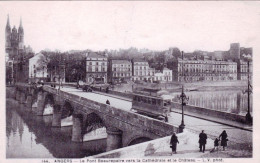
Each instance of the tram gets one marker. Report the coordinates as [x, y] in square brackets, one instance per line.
[151, 102]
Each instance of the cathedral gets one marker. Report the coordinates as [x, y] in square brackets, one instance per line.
[14, 40]
[17, 55]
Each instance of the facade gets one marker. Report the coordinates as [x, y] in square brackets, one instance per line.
[199, 70]
[164, 76]
[119, 71]
[14, 40]
[142, 71]
[37, 72]
[243, 70]
[96, 68]
[9, 67]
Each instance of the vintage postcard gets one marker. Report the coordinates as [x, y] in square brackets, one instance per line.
[129, 81]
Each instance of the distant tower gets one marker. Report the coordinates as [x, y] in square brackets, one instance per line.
[235, 51]
[21, 35]
[7, 36]
[14, 40]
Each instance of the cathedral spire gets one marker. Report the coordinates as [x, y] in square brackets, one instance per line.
[21, 24]
[20, 29]
[8, 23]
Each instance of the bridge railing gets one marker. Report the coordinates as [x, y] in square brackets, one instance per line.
[122, 117]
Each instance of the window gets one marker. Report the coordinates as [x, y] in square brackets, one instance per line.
[153, 101]
[96, 63]
[114, 69]
[90, 63]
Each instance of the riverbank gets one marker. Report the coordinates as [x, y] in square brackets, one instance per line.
[195, 86]
[213, 86]
[188, 147]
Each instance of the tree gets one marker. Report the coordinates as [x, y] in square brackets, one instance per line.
[54, 61]
[75, 67]
[175, 52]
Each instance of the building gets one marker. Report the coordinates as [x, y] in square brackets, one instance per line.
[142, 71]
[199, 70]
[164, 76]
[9, 67]
[119, 71]
[18, 54]
[243, 70]
[37, 72]
[14, 40]
[96, 68]
[235, 51]
[242, 64]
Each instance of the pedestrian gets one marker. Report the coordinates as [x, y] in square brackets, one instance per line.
[216, 144]
[173, 143]
[107, 102]
[166, 118]
[224, 139]
[202, 141]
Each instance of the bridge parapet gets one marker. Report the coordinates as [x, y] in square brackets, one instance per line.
[118, 117]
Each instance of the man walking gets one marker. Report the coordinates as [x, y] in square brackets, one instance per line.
[173, 143]
[202, 141]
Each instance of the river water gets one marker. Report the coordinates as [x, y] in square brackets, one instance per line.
[232, 101]
[30, 136]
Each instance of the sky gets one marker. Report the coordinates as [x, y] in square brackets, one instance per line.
[154, 25]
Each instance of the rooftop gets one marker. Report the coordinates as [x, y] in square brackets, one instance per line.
[121, 62]
[95, 55]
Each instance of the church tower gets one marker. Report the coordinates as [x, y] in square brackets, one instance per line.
[14, 40]
[7, 36]
[21, 35]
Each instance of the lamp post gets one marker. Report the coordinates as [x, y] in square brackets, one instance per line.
[249, 89]
[184, 99]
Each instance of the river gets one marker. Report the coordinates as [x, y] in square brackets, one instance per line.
[30, 136]
[231, 101]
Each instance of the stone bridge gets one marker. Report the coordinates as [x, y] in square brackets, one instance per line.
[123, 127]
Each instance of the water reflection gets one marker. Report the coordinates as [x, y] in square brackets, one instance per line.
[227, 101]
[30, 136]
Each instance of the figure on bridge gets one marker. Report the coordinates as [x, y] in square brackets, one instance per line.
[173, 143]
[107, 102]
[224, 139]
[202, 141]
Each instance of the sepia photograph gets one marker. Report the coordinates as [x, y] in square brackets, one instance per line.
[154, 81]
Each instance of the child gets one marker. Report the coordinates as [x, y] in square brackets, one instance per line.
[216, 144]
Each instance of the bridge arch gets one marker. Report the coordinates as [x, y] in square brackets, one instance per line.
[67, 110]
[48, 105]
[93, 125]
[138, 139]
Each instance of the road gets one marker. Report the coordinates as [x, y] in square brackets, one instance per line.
[211, 128]
[115, 102]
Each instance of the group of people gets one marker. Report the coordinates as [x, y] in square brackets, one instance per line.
[202, 141]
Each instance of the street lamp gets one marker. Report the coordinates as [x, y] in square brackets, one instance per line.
[249, 89]
[184, 99]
